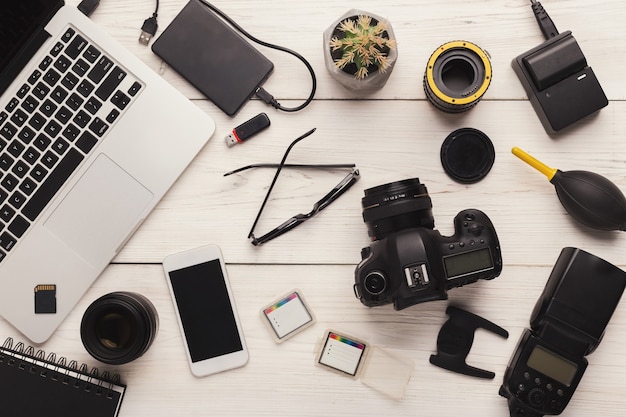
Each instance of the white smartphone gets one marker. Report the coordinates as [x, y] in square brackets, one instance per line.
[205, 310]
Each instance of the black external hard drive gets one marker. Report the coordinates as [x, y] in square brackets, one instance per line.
[212, 57]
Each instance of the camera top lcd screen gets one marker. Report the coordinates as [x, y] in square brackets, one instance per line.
[205, 310]
[552, 365]
[467, 263]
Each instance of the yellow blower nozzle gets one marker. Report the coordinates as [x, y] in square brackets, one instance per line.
[535, 163]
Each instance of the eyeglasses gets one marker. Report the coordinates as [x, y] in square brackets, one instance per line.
[320, 205]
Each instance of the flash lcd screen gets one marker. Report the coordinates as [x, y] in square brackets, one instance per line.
[552, 366]
[467, 263]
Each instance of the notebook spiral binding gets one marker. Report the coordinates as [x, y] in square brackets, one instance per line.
[58, 369]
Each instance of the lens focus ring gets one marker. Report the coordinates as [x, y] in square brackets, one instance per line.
[457, 75]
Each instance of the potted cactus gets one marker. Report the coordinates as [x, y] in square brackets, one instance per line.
[360, 50]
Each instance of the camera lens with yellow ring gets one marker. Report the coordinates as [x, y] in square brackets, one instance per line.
[457, 75]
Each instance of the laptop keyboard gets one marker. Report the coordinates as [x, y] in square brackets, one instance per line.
[57, 117]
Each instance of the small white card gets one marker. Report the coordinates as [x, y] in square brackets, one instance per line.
[342, 353]
[287, 316]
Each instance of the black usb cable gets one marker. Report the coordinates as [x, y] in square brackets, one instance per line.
[543, 19]
[148, 29]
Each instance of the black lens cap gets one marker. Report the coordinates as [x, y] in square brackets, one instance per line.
[467, 155]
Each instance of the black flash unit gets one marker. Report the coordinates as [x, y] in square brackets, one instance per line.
[566, 325]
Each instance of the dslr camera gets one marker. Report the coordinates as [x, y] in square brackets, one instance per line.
[408, 261]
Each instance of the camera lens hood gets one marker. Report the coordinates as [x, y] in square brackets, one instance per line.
[119, 327]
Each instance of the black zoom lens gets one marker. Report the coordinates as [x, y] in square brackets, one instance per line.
[119, 327]
[396, 206]
[457, 75]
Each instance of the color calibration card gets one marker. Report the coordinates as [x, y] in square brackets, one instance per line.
[288, 316]
[342, 353]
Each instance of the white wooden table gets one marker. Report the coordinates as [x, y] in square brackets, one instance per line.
[391, 135]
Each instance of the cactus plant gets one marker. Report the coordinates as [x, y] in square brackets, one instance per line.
[365, 44]
[360, 50]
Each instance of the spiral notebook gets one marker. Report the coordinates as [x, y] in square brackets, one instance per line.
[32, 384]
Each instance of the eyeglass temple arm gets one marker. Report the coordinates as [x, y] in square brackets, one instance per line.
[269, 191]
[337, 191]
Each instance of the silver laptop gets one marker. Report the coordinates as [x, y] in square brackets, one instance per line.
[90, 140]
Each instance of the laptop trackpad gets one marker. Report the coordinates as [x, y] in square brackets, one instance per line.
[102, 208]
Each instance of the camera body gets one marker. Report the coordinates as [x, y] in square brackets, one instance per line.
[416, 263]
[567, 323]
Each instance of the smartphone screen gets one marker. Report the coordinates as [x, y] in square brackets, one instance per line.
[205, 310]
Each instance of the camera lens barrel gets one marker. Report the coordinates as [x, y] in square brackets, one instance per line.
[119, 327]
[457, 75]
[396, 206]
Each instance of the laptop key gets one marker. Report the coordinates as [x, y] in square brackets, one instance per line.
[20, 169]
[5, 162]
[80, 67]
[12, 105]
[6, 213]
[91, 54]
[26, 134]
[51, 77]
[52, 184]
[82, 118]
[16, 148]
[29, 104]
[52, 129]
[42, 142]
[86, 142]
[120, 99]
[23, 90]
[41, 90]
[49, 159]
[17, 199]
[37, 121]
[69, 81]
[7, 241]
[76, 47]
[34, 77]
[134, 89]
[56, 50]
[9, 182]
[3, 116]
[48, 108]
[110, 83]
[18, 226]
[98, 126]
[85, 88]
[38, 173]
[98, 72]
[63, 115]
[8, 131]
[68, 35]
[3, 197]
[19, 118]
[62, 64]
[31, 155]
[113, 115]
[27, 186]
[93, 105]
[74, 101]
[45, 63]
[59, 94]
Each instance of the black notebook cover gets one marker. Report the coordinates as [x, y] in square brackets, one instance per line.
[32, 385]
